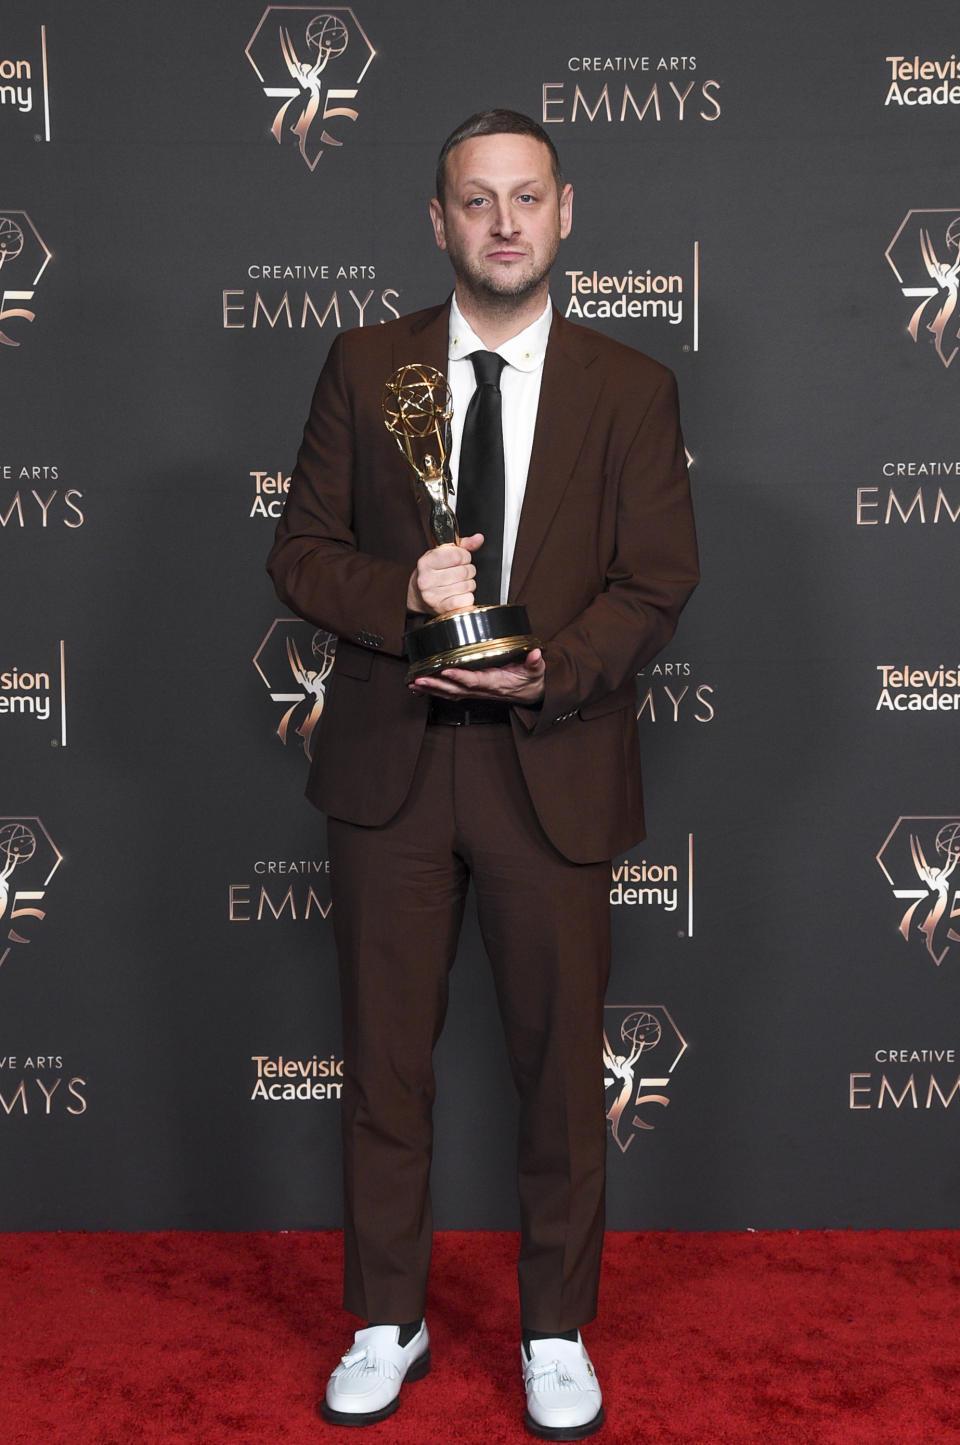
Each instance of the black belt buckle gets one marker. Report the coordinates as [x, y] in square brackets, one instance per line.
[452, 713]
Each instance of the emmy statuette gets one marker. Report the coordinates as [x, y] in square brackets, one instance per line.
[416, 411]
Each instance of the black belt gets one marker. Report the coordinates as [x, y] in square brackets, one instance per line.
[455, 714]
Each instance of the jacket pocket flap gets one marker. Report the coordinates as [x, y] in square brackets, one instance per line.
[352, 661]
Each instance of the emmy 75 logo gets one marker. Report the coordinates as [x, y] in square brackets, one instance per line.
[631, 1032]
[919, 858]
[294, 660]
[23, 260]
[924, 255]
[312, 60]
[28, 860]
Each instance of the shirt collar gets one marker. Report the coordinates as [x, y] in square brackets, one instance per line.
[525, 351]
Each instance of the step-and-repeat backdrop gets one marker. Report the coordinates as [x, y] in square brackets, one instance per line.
[194, 200]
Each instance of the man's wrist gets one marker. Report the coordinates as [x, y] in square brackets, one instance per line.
[414, 600]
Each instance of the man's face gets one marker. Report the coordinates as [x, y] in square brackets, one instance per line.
[502, 220]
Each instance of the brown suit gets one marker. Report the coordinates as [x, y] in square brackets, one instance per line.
[605, 560]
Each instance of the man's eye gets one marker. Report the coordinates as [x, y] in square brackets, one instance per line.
[526, 197]
[476, 202]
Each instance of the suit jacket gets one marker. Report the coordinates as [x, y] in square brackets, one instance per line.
[605, 559]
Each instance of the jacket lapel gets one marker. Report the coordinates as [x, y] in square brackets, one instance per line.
[568, 394]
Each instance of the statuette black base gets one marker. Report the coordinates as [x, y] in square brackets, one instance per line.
[477, 638]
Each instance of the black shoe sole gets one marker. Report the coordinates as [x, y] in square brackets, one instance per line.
[566, 1432]
[419, 1368]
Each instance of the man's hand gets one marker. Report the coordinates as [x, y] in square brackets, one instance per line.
[520, 682]
[444, 580]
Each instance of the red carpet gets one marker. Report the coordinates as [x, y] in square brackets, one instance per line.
[703, 1339]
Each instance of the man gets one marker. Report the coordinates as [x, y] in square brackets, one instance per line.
[523, 777]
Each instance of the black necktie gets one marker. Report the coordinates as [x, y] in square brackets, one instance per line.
[480, 483]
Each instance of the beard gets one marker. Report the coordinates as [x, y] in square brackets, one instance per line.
[491, 291]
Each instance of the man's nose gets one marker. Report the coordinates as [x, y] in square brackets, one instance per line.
[505, 220]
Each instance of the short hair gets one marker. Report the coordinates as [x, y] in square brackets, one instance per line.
[495, 122]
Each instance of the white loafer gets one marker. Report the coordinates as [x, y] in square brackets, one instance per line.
[563, 1397]
[365, 1386]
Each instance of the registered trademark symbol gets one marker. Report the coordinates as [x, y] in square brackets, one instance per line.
[681, 933]
[686, 347]
[38, 137]
[54, 742]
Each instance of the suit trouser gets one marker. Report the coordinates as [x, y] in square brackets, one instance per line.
[398, 899]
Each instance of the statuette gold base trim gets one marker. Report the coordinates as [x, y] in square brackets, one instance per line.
[482, 654]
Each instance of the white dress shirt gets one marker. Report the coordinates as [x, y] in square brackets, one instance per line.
[520, 390]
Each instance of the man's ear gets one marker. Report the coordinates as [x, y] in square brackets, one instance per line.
[566, 211]
[436, 220]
